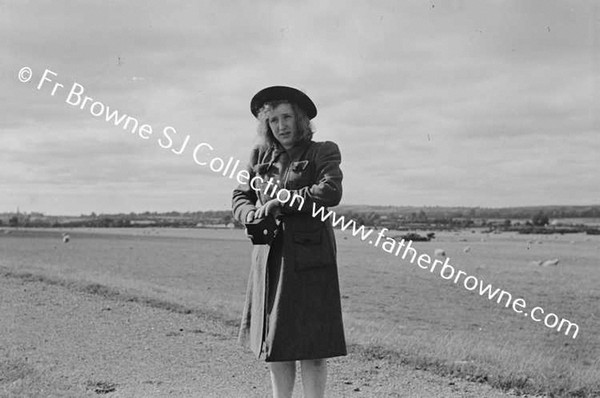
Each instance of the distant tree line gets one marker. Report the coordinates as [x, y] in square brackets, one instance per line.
[411, 213]
[122, 220]
[371, 216]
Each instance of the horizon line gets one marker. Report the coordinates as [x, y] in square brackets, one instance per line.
[338, 206]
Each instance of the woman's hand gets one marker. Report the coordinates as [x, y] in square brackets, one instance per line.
[272, 207]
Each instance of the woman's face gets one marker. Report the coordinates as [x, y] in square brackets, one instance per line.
[282, 121]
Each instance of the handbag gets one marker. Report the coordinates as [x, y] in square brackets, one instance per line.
[262, 231]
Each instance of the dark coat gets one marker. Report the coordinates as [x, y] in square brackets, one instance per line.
[292, 309]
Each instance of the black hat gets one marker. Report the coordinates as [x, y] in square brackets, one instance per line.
[278, 93]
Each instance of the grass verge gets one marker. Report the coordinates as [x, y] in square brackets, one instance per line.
[119, 295]
[450, 356]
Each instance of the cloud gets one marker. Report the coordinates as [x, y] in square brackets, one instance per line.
[453, 103]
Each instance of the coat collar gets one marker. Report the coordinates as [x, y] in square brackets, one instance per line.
[294, 152]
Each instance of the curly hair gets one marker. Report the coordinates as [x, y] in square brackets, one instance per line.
[265, 136]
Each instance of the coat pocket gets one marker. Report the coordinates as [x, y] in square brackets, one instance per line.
[311, 250]
[300, 179]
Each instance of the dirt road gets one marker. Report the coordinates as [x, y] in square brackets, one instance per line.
[61, 341]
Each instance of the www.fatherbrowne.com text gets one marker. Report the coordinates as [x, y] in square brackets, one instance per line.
[444, 269]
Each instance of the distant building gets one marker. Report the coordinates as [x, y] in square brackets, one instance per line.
[143, 223]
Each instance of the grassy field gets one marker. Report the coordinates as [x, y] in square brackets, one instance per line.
[391, 306]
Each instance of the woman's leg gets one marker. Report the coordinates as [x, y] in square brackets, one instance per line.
[283, 375]
[314, 377]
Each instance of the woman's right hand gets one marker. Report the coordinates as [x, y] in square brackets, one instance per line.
[271, 208]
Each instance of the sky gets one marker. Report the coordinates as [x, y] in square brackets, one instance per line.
[454, 103]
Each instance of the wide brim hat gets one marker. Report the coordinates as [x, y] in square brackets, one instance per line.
[283, 93]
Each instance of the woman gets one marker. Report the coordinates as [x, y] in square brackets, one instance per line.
[292, 310]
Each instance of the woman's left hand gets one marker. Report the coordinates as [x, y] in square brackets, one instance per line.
[272, 207]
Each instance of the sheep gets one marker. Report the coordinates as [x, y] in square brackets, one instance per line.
[440, 252]
[549, 263]
[545, 263]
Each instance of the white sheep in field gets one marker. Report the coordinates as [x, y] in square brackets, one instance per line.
[66, 238]
[440, 252]
[549, 263]
[545, 263]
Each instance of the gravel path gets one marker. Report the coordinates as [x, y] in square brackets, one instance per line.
[57, 341]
